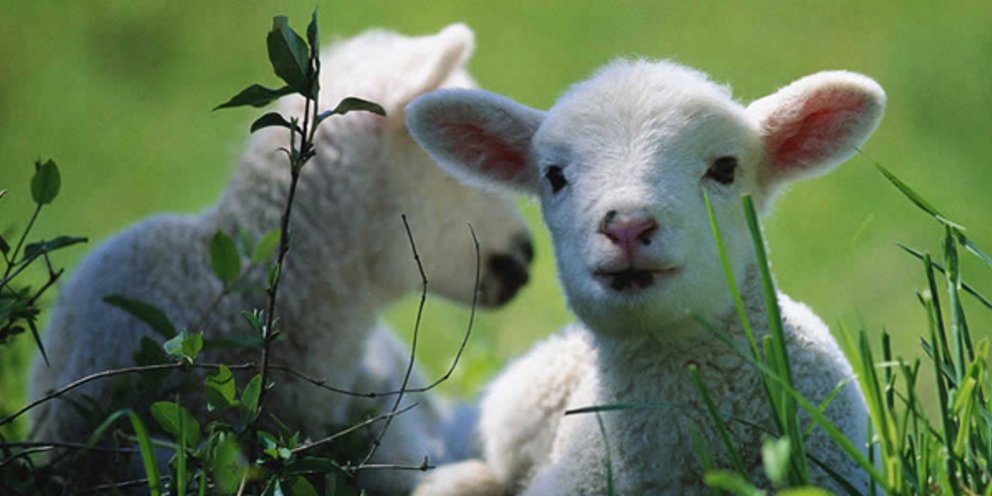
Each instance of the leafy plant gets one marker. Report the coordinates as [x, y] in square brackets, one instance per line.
[19, 305]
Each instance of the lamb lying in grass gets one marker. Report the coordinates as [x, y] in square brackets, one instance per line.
[349, 258]
[621, 164]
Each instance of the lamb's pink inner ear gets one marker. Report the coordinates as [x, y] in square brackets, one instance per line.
[818, 130]
[497, 159]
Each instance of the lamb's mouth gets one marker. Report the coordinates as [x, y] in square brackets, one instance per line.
[632, 279]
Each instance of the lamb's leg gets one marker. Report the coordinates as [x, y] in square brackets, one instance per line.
[468, 478]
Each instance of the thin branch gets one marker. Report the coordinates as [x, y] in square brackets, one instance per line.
[13, 255]
[296, 162]
[413, 344]
[423, 467]
[62, 445]
[322, 383]
[115, 372]
[471, 319]
[24, 454]
[102, 488]
[353, 428]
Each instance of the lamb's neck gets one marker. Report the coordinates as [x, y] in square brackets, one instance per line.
[635, 363]
[340, 250]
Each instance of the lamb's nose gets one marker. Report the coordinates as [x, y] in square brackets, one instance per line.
[628, 233]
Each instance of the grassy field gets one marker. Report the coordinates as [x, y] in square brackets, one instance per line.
[119, 94]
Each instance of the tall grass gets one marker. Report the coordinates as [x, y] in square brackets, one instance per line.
[908, 452]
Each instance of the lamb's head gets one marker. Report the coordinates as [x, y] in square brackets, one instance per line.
[622, 162]
[393, 69]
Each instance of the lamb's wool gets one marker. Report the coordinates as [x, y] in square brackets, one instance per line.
[622, 163]
[349, 258]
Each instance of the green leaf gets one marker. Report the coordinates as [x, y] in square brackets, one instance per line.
[149, 353]
[35, 249]
[254, 319]
[255, 95]
[312, 35]
[185, 345]
[169, 414]
[46, 182]
[775, 458]
[221, 390]
[226, 463]
[144, 312]
[288, 55]
[266, 246]
[352, 104]
[804, 491]
[273, 119]
[224, 258]
[731, 482]
[250, 394]
[298, 486]
[4, 247]
[37, 340]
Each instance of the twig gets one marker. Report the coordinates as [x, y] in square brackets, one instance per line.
[423, 467]
[25, 453]
[115, 372]
[20, 242]
[297, 159]
[353, 428]
[413, 344]
[120, 485]
[322, 383]
[63, 445]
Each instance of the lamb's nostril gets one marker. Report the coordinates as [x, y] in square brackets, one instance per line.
[626, 233]
[510, 273]
[526, 249]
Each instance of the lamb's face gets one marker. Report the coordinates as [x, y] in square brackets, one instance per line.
[622, 184]
[622, 164]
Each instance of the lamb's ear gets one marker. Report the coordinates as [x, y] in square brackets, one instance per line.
[815, 124]
[481, 138]
[440, 57]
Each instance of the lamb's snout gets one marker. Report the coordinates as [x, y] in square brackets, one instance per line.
[506, 273]
[628, 233]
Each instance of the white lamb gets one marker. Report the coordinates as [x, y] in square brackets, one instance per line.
[349, 258]
[621, 164]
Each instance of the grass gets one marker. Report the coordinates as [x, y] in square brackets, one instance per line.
[909, 452]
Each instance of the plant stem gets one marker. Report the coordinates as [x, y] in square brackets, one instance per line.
[20, 242]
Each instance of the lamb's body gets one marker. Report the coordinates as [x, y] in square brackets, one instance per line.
[533, 447]
[622, 163]
[349, 258]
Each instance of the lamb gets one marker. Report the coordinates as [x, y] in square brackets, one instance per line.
[349, 258]
[621, 164]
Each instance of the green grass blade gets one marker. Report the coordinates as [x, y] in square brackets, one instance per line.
[608, 458]
[789, 412]
[702, 448]
[717, 422]
[731, 482]
[144, 443]
[915, 197]
[728, 273]
[973, 249]
[940, 268]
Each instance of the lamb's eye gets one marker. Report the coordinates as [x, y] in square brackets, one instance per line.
[722, 170]
[556, 178]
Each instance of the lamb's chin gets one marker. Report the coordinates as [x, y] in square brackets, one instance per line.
[635, 283]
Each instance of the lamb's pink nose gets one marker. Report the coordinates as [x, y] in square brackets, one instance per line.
[629, 233]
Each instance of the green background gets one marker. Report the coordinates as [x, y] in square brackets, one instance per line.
[119, 92]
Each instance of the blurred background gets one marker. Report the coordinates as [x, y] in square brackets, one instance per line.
[119, 94]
